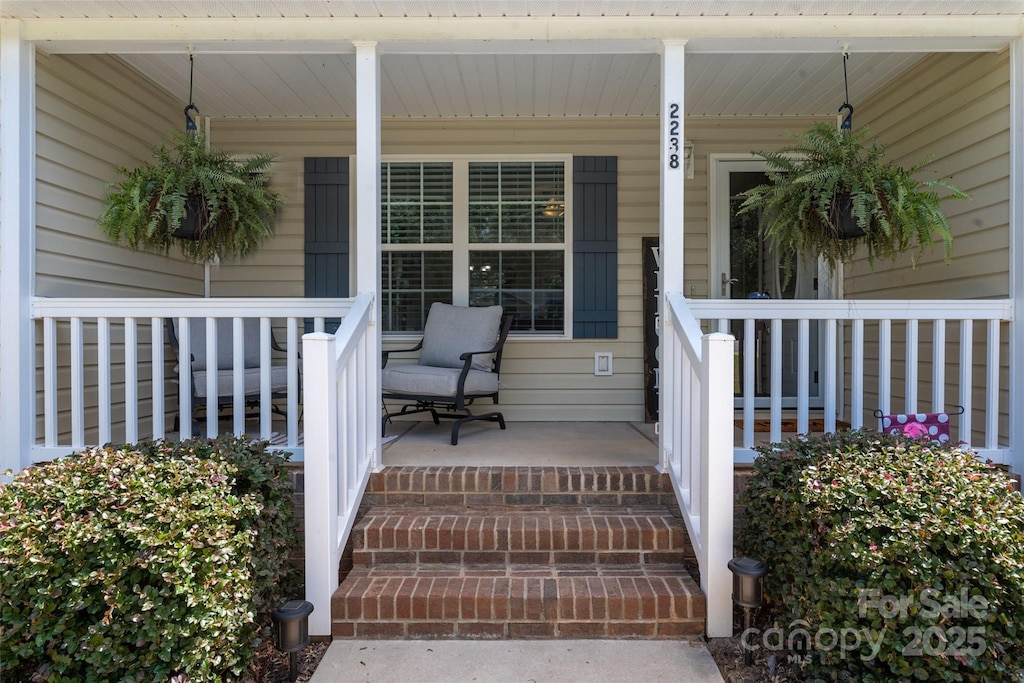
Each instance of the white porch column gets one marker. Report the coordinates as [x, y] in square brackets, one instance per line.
[1017, 252]
[368, 216]
[670, 275]
[17, 245]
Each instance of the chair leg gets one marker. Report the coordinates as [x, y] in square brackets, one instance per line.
[486, 417]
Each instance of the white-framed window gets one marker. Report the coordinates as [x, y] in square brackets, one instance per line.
[477, 231]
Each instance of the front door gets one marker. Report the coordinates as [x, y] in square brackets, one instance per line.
[747, 267]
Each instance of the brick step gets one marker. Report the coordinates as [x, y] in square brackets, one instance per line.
[520, 535]
[475, 486]
[464, 601]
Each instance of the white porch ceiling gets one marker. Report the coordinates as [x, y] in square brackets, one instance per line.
[485, 58]
[498, 8]
[276, 85]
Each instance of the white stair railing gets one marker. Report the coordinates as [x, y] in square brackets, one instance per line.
[342, 441]
[697, 426]
[109, 374]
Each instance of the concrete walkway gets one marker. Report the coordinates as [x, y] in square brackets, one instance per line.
[516, 661]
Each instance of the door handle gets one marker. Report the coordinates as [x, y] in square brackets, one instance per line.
[726, 281]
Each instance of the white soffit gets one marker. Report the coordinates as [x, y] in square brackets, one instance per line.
[274, 85]
[178, 9]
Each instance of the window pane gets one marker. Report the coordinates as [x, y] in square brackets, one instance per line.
[530, 284]
[483, 182]
[483, 223]
[549, 179]
[516, 202]
[517, 223]
[412, 280]
[416, 203]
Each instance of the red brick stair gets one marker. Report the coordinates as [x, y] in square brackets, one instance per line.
[519, 553]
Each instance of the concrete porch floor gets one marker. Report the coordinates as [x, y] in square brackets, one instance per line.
[523, 443]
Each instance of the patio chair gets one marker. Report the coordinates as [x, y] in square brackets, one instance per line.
[459, 363]
[225, 364]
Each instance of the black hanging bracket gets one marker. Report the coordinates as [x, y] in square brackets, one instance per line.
[190, 123]
[846, 108]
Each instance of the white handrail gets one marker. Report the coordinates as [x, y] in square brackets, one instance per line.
[342, 442]
[852, 309]
[698, 432]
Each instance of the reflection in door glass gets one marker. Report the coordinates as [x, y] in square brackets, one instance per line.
[751, 261]
[756, 272]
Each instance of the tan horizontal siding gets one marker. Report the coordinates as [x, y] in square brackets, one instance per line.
[544, 380]
[94, 114]
[956, 108]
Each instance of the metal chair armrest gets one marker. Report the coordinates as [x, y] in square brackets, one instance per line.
[385, 355]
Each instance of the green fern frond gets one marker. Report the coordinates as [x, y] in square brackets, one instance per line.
[897, 212]
[149, 204]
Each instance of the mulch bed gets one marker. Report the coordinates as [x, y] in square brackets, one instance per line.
[271, 666]
[766, 667]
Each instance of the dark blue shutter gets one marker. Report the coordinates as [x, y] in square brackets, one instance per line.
[595, 218]
[327, 242]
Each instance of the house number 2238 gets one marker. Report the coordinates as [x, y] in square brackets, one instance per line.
[673, 135]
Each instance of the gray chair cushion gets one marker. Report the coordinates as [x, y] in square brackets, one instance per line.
[453, 330]
[251, 377]
[428, 380]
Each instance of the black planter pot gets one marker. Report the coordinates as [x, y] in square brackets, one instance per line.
[843, 221]
[193, 225]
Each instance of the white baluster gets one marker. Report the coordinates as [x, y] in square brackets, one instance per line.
[938, 366]
[857, 376]
[966, 379]
[131, 381]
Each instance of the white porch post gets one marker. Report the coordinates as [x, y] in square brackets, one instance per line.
[17, 245]
[1017, 252]
[670, 275]
[368, 217]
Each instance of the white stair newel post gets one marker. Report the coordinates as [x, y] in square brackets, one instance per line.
[321, 478]
[17, 245]
[368, 226]
[670, 279]
[717, 490]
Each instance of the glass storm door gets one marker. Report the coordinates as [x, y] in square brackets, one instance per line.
[747, 267]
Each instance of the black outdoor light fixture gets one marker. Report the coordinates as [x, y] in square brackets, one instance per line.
[747, 573]
[291, 629]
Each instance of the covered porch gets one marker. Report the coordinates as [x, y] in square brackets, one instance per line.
[84, 356]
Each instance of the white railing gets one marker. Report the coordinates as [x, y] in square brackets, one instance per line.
[342, 445]
[110, 372]
[885, 355]
[697, 438]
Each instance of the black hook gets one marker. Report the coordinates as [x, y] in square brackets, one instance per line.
[847, 123]
[190, 123]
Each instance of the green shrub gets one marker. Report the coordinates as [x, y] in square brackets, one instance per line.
[889, 559]
[141, 562]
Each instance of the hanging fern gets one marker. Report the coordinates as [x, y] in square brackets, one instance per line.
[236, 207]
[807, 181]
